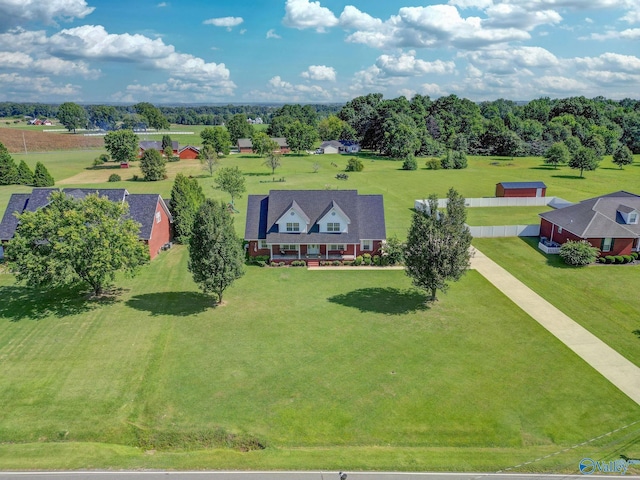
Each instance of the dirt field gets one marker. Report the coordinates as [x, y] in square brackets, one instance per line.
[13, 139]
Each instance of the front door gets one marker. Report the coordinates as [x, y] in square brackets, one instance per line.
[313, 250]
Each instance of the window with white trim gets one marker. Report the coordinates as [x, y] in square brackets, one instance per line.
[366, 244]
[607, 244]
[289, 247]
[337, 246]
[263, 244]
[158, 217]
[293, 227]
[333, 227]
[559, 229]
[633, 218]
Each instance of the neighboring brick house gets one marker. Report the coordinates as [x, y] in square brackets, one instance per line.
[521, 189]
[153, 145]
[148, 209]
[246, 146]
[288, 225]
[609, 222]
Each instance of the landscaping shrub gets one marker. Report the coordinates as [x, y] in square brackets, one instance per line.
[354, 165]
[610, 259]
[358, 260]
[114, 177]
[602, 260]
[392, 251]
[342, 176]
[578, 253]
[634, 255]
[135, 178]
[281, 264]
[348, 263]
[336, 263]
[627, 258]
[410, 163]
[366, 259]
[433, 164]
[298, 263]
[274, 264]
[376, 260]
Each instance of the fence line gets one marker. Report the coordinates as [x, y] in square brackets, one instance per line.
[555, 202]
[494, 231]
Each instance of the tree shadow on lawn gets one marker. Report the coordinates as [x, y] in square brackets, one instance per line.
[636, 333]
[388, 301]
[543, 167]
[19, 303]
[181, 304]
[573, 177]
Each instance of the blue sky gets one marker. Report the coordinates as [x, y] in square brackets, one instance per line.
[197, 51]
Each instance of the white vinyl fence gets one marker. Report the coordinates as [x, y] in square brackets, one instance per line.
[505, 231]
[555, 202]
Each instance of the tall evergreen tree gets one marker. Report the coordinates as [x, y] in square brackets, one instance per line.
[8, 169]
[438, 244]
[42, 177]
[25, 175]
[186, 198]
[215, 252]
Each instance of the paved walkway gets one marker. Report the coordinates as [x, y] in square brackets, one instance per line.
[613, 366]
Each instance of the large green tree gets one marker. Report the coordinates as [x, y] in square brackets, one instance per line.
[186, 198]
[300, 137]
[42, 177]
[72, 116]
[217, 138]
[584, 159]
[24, 174]
[153, 115]
[71, 241]
[238, 127]
[231, 180]
[122, 145]
[215, 252]
[557, 154]
[622, 156]
[8, 169]
[438, 242]
[261, 144]
[153, 165]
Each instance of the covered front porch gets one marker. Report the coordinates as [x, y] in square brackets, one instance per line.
[342, 252]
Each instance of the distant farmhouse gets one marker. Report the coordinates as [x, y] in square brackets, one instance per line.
[148, 209]
[188, 152]
[335, 146]
[246, 146]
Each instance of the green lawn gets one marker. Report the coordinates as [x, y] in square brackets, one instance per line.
[601, 298]
[327, 369]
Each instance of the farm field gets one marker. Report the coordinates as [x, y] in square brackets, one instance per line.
[332, 370]
[596, 296]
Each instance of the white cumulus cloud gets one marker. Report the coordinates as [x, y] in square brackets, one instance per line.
[15, 13]
[406, 64]
[320, 73]
[272, 34]
[228, 22]
[302, 14]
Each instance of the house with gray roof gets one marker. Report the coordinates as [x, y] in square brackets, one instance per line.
[148, 209]
[156, 145]
[314, 224]
[245, 145]
[609, 222]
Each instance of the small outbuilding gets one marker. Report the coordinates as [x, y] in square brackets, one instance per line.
[521, 189]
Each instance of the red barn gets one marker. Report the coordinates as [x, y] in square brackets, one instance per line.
[189, 152]
[521, 189]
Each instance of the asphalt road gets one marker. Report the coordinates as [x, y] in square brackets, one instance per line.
[159, 475]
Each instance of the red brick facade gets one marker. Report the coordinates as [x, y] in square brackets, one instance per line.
[620, 246]
[160, 233]
[518, 192]
[349, 253]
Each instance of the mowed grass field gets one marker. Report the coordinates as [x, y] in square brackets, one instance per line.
[331, 370]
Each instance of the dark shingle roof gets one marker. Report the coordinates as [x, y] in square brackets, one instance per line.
[365, 212]
[142, 207]
[598, 217]
[517, 185]
[17, 204]
[155, 145]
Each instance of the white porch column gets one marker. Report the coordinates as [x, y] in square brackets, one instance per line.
[270, 252]
[326, 251]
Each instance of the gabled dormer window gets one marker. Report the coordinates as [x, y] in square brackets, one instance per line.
[333, 227]
[293, 227]
[633, 218]
[629, 214]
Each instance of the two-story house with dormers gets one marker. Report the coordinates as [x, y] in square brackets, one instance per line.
[291, 225]
[609, 222]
